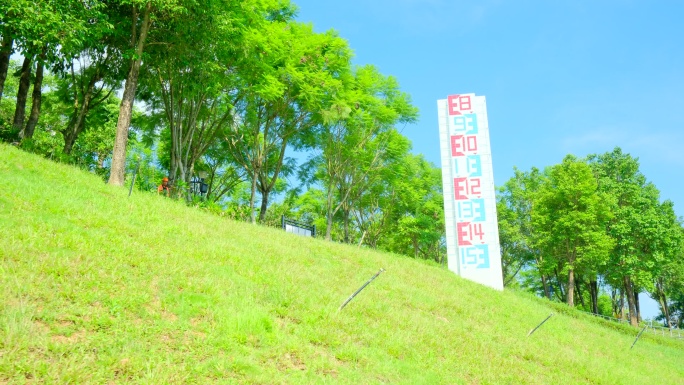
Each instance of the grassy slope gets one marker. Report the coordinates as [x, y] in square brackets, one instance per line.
[98, 287]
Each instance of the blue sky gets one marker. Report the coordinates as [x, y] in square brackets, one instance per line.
[560, 77]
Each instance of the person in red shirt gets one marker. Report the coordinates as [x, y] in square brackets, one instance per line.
[164, 187]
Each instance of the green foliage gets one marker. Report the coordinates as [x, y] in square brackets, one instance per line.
[229, 89]
[600, 219]
[570, 217]
[356, 140]
[141, 162]
[412, 210]
[515, 201]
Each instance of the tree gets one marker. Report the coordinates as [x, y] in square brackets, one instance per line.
[414, 214]
[162, 20]
[515, 203]
[90, 69]
[140, 21]
[84, 91]
[301, 74]
[668, 271]
[376, 201]
[67, 31]
[194, 79]
[6, 51]
[369, 105]
[142, 15]
[94, 145]
[634, 206]
[223, 174]
[569, 220]
[22, 94]
[9, 20]
[36, 97]
[38, 29]
[676, 309]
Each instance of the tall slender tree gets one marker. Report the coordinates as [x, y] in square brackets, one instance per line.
[303, 72]
[370, 105]
[141, 19]
[36, 97]
[36, 30]
[6, 50]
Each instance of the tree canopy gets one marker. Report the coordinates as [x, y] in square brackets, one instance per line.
[590, 225]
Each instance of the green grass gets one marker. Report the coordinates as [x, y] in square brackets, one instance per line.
[100, 288]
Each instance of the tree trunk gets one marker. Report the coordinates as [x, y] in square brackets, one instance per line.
[346, 225]
[662, 301]
[36, 101]
[268, 183]
[623, 316]
[329, 214]
[636, 305]
[177, 176]
[545, 284]
[116, 176]
[177, 172]
[578, 286]
[77, 121]
[666, 313]
[264, 206]
[5, 54]
[252, 215]
[22, 94]
[189, 169]
[561, 293]
[614, 302]
[629, 291]
[571, 288]
[593, 290]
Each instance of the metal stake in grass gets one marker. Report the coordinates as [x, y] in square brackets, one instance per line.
[533, 330]
[638, 335]
[361, 288]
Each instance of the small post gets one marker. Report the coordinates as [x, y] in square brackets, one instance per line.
[362, 237]
[361, 288]
[137, 167]
[533, 330]
[282, 222]
[637, 337]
